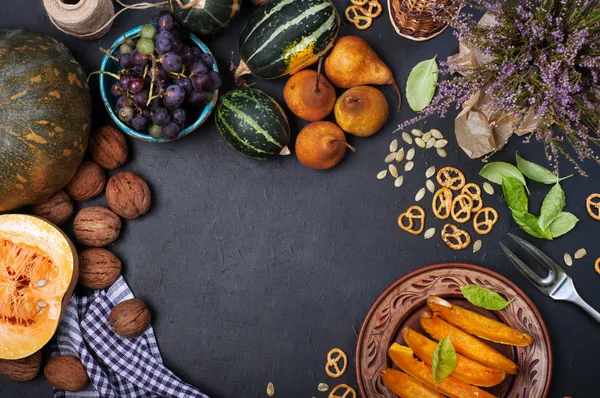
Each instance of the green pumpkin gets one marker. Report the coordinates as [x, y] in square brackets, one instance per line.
[45, 117]
[205, 17]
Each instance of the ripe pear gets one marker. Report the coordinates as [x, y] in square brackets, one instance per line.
[309, 95]
[361, 111]
[321, 145]
[353, 62]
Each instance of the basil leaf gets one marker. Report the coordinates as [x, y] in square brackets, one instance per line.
[514, 194]
[535, 172]
[529, 223]
[484, 297]
[420, 86]
[552, 205]
[563, 223]
[444, 360]
[496, 170]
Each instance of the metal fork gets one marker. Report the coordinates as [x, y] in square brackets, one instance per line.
[556, 284]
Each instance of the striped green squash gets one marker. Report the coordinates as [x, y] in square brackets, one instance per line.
[283, 37]
[205, 17]
[253, 123]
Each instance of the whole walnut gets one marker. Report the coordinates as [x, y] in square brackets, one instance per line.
[108, 147]
[88, 182]
[23, 369]
[56, 208]
[130, 318]
[96, 226]
[128, 195]
[66, 373]
[98, 268]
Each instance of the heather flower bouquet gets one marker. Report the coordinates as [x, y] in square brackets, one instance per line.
[539, 58]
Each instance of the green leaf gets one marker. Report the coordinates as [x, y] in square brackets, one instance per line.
[484, 297]
[494, 172]
[537, 173]
[552, 205]
[514, 194]
[529, 223]
[420, 86]
[444, 360]
[563, 223]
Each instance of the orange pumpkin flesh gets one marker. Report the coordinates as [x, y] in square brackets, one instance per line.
[38, 272]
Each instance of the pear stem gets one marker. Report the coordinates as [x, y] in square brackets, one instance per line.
[349, 146]
[395, 85]
[317, 90]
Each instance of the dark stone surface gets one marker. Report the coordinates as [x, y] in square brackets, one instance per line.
[254, 270]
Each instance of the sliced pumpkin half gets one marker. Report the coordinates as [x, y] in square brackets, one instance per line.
[38, 272]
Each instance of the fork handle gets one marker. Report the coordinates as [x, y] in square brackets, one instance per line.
[588, 308]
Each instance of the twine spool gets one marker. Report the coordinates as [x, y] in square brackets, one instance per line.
[88, 19]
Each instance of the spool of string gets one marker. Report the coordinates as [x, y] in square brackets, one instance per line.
[88, 19]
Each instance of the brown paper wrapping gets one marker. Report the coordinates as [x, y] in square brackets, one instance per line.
[478, 130]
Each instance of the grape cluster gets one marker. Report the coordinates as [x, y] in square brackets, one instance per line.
[162, 74]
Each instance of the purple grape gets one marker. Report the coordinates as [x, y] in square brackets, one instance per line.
[197, 52]
[155, 131]
[135, 85]
[176, 45]
[124, 81]
[162, 46]
[139, 69]
[140, 122]
[171, 131]
[164, 34]
[185, 84]
[197, 98]
[156, 103]
[200, 82]
[126, 114]
[147, 112]
[125, 61]
[215, 81]
[124, 101]
[198, 68]
[187, 55]
[138, 59]
[161, 78]
[166, 21]
[174, 96]
[171, 62]
[161, 117]
[141, 99]
[116, 90]
[207, 59]
[178, 115]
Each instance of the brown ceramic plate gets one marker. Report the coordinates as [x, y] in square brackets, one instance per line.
[402, 303]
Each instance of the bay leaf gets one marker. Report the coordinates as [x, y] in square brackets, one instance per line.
[420, 86]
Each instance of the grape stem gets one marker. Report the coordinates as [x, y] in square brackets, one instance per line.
[150, 97]
[99, 72]
[177, 74]
[108, 54]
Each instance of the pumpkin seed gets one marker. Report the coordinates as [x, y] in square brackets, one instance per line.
[581, 253]
[409, 166]
[41, 304]
[40, 283]
[427, 136]
[416, 132]
[393, 170]
[323, 387]
[429, 233]
[420, 194]
[390, 157]
[430, 143]
[381, 175]
[410, 154]
[394, 145]
[568, 259]
[398, 182]
[400, 155]
[430, 186]
[430, 172]
[420, 143]
[441, 143]
[437, 134]
[441, 152]
[488, 188]
[270, 389]
[477, 245]
[407, 138]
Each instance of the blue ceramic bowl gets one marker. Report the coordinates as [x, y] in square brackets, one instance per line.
[196, 116]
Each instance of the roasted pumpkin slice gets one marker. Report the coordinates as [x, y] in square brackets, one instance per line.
[467, 345]
[466, 370]
[404, 358]
[477, 324]
[406, 386]
[38, 272]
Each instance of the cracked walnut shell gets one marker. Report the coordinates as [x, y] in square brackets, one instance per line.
[88, 182]
[128, 195]
[96, 226]
[108, 147]
[130, 318]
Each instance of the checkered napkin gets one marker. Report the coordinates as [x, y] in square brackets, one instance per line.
[118, 367]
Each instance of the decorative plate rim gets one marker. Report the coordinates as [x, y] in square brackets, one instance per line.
[437, 266]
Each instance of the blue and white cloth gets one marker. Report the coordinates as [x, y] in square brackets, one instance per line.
[117, 367]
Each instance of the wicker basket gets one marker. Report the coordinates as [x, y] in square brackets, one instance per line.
[413, 19]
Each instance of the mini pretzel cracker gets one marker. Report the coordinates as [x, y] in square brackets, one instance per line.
[592, 204]
[597, 265]
[362, 12]
[455, 238]
[484, 220]
[348, 392]
[474, 192]
[461, 208]
[441, 203]
[451, 177]
[413, 213]
[332, 367]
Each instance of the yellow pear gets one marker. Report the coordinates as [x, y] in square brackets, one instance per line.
[361, 111]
